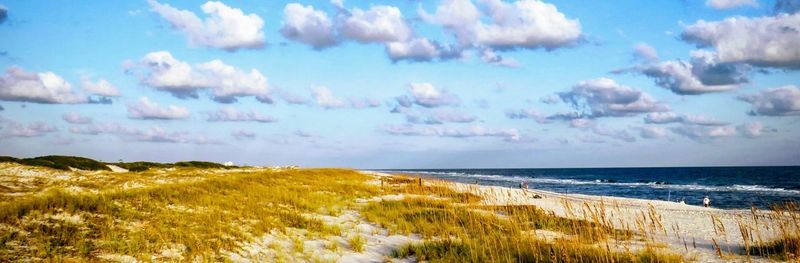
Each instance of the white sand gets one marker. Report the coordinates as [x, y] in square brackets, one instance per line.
[685, 228]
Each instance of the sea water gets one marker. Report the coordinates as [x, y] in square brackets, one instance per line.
[727, 187]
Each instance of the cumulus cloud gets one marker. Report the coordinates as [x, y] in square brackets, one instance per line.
[225, 83]
[672, 117]
[761, 41]
[290, 97]
[728, 4]
[617, 134]
[76, 118]
[441, 131]
[34, 129]
[100, 88]
[704, 73]
[652, 132]
[528, 113]
[419, 49]
[704, 133]
[782, 101]
[47, 87]
[428, 96]
[581, 123]
[243, 135]
[751, 129]
[308, 25]
[439, 116]
[146, 109]
[645, 52]
[225, 27]
[324, 98]
[155, 134]
[490, 57]
[588, 138]
[603, 97]
[379, 24]
[232, 114]
[527, 24]
[550, 99]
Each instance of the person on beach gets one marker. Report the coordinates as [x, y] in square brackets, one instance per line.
[525, 185]
[706, 202]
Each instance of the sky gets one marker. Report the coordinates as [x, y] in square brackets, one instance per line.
[404, 84]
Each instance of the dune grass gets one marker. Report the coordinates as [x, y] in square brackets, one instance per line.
[457, 228]
[199, 211]
[785, 218]
[205, 217]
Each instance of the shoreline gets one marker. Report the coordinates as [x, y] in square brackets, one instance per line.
[701, 232]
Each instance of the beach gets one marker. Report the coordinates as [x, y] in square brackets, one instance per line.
[695, 230]
[206, 212]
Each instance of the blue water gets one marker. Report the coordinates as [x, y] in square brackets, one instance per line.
[727, 187]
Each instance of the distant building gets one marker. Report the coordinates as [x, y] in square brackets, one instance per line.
[228, 164]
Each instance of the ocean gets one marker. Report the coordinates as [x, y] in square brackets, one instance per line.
[727, 187]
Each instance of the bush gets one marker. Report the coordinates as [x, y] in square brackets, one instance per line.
[64, 162]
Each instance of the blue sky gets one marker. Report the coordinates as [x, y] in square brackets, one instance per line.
[404, 84]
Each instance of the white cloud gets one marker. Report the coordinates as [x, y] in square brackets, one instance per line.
[308, 25]
[243, 135]
[47, 87]
[146, 109]
[581, 123]
[672, 117]
[526, 24]
[100, 88]
[154, 134]
[226, 83]
[490, 57]
[529, 113]
[603, 97]
[782, 101]
[439, 116]
[35, 129]
[703, 74]
[290, 97]
[418, 49]
[325, 98]
[617, 134]
[728, 4]
[232, 114]
[379, 24]
[550, 99]
[426, 95]
[751, 129]
[225, 27]
[704, 133]
[761, 41]
[652, 132]
[76, 118]
[441, 131]
[645, 52]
